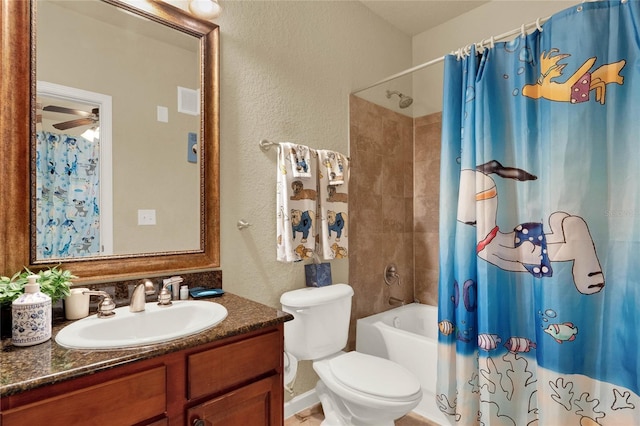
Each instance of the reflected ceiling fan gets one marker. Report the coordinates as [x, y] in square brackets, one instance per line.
[88, 118]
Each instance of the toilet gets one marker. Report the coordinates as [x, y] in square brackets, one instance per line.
[354, 388]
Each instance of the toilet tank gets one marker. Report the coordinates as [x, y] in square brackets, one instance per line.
[321, 320]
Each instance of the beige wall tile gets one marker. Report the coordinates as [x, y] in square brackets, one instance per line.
[394, 193]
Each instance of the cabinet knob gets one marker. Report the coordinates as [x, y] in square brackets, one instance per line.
[198, 422]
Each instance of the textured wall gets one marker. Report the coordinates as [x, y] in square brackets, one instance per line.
[287, 68]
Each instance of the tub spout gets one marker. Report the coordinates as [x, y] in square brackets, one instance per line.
[394, 301]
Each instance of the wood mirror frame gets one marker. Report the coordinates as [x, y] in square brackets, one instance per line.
[17, 127]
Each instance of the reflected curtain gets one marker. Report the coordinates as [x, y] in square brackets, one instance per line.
[539, 283]
[67, 196]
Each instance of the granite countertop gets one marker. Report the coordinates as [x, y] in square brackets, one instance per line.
[25, 368]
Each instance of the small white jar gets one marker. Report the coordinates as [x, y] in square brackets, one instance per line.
[76, 305]
[184, 292]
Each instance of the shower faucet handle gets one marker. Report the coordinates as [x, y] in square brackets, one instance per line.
[391, 274]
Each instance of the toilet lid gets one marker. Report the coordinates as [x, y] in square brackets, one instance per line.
[374, 376]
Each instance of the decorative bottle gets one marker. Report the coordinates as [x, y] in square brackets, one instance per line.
[31, 315]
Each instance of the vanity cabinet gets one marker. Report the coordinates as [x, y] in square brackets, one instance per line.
[250, 405]
[233, 381]
[142, 393]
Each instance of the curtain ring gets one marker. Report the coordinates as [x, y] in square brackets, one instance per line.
[538, 24]
[491, 40]
[522, 31]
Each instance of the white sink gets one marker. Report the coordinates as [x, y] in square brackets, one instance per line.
[157, 324]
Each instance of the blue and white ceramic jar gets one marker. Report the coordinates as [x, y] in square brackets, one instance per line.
[31, 315]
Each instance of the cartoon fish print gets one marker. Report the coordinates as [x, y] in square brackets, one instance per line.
[562, 332]
[446, 327]
[462, 336]
[519, 344]
[488, 342]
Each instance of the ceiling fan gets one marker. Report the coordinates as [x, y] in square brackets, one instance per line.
[88, 118]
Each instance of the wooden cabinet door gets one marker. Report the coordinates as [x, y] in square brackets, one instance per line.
[256, 404]
[123, 401]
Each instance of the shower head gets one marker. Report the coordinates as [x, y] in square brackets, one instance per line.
[405, 101]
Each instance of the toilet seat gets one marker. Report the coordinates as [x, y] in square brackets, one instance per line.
[375, 377]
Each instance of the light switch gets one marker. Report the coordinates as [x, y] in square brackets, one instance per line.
[163, 114]
[192, 147]
[146, 217]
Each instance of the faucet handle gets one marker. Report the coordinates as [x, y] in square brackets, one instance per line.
[105, 306]
[164, 296]
[149, 288]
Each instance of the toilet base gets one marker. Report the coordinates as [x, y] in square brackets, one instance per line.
[337, 414]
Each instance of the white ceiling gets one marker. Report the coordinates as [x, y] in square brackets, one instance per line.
[416, 16]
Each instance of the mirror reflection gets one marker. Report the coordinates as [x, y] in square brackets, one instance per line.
[117, 134]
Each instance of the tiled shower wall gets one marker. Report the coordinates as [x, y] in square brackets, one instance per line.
[425, 206]
[393, 215]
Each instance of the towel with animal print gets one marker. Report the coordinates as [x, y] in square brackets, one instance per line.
[296, 204]
[333, 204]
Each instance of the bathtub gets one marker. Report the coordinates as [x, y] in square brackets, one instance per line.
[407, 335]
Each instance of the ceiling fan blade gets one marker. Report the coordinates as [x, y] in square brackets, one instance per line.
[63, 110]
[74, 123]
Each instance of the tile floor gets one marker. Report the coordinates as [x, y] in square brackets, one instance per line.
[314, 416]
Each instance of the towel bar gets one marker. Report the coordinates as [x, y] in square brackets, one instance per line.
[265, 144]
[242, 224]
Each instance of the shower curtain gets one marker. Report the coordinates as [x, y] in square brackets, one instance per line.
[539, 287]
[67, 196]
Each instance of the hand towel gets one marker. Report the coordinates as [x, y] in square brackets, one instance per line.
[296, 204]
[333, 204]
[300, 160]
[334, 164]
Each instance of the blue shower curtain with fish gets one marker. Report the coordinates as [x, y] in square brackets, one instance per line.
[67, 196]
[539, 287]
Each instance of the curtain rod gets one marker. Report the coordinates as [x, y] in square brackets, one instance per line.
[461, 52]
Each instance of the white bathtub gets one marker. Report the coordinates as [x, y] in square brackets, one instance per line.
[407, 335]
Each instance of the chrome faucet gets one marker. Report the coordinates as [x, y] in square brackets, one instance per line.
[138, 297]
[106, 304]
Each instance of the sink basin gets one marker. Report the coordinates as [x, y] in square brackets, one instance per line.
[157, 324]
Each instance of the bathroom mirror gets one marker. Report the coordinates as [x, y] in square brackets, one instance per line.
[22, 111]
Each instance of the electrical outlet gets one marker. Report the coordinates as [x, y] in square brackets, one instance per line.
[146, 217]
